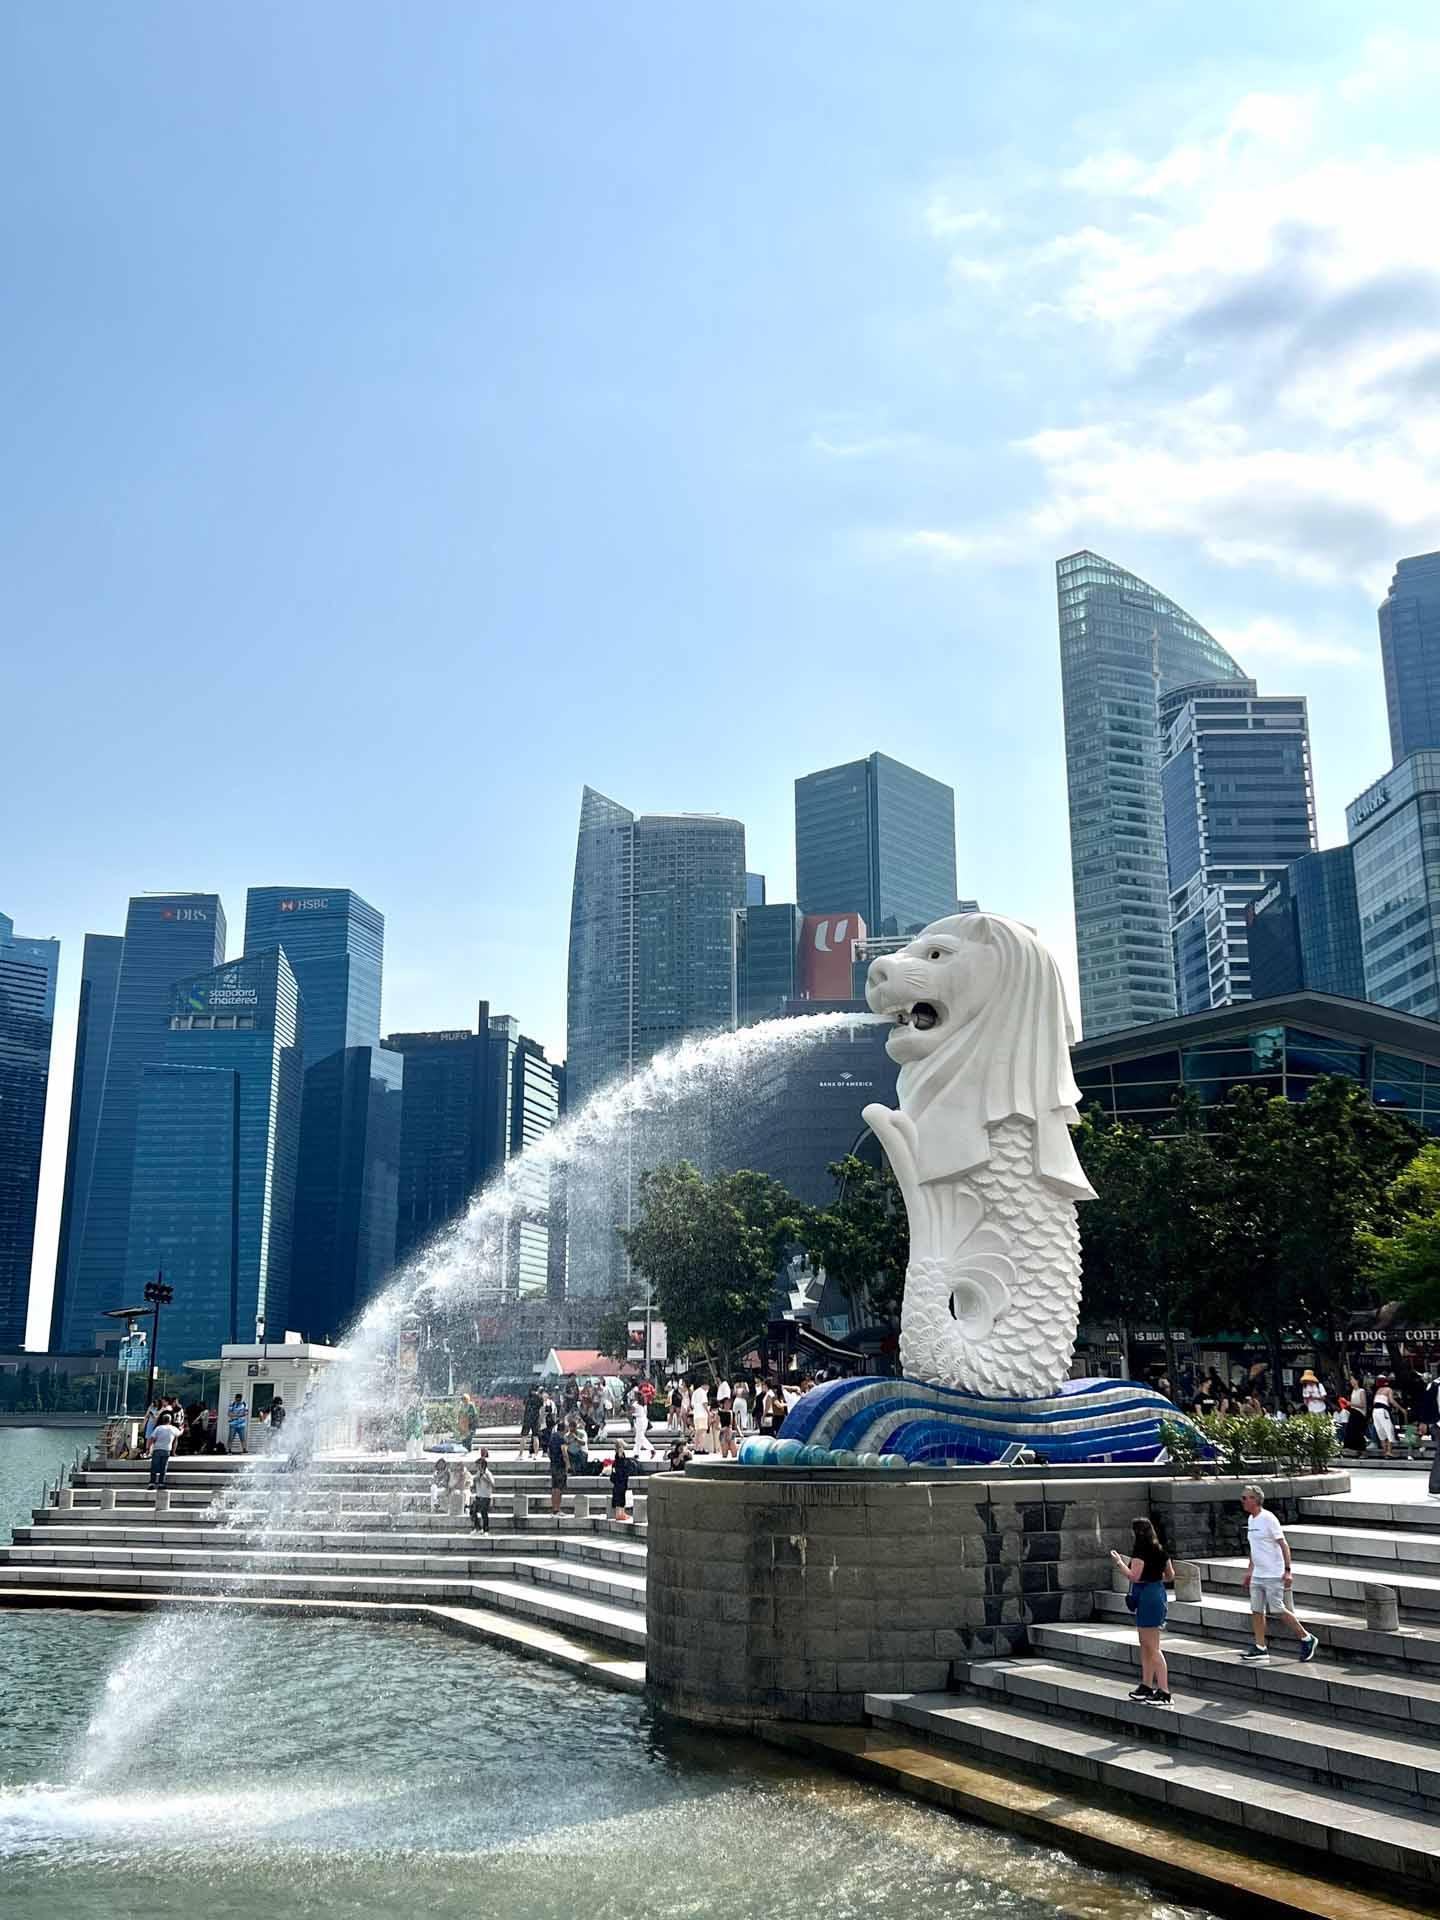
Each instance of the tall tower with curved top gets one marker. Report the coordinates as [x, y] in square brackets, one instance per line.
[1122, 645]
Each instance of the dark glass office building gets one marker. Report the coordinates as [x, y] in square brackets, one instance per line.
[1122, 645]
[767, 961]
[473, 1103]
[335, 942]
[1280, 1047]
[803, 1106]
[877, 838]
[347, 1187]
[1303, 932]
[1409, 619]
[28, 969]
[217, 1136]
[652, 962]
[347, 1192]
[1394, 831]
[99, 977]
[168, 937]
[1239, 808]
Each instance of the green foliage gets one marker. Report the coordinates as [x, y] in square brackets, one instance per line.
[1303, 1443]
[1150, 1236]
[1404, 1263]
[712, 1249]
[1259, 1223]
[862, 1239]
[1183, 1443]
[612, 1333]
[1302, 1182]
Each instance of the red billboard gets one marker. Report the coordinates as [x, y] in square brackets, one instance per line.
[826, 944]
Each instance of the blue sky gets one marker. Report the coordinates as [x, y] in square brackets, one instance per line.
[415, 412]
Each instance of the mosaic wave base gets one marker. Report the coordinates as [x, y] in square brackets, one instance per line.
[908, 1423]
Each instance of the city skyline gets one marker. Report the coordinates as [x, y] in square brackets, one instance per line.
[470, 453]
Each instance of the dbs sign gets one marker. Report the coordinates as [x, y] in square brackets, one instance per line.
[826, 944]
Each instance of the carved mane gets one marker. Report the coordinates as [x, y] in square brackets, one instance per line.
[1012, 1058]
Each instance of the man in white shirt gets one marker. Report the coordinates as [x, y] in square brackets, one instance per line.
[1269, 1578]
[162, 1440]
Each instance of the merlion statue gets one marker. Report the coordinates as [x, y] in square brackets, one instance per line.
[980, 1145]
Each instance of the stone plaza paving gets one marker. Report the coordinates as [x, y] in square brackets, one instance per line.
[1337, 1760]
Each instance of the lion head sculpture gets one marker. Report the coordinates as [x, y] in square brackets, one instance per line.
[982, 1034]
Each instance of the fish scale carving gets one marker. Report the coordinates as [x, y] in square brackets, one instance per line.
[1025, 1240]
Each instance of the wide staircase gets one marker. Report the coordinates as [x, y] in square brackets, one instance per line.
[1337, 1757]
[347, 1533]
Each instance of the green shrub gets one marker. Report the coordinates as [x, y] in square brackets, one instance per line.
[1184, 1443]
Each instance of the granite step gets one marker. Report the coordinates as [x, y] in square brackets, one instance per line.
[599, 1618]
[1335, 1753]
[622, 1624]
[1409, 1516]
[628, 1553]
[1339, 1630]
[1321, 1581]
[1324, 1686]
[1356, 1831]
[1378, 1549]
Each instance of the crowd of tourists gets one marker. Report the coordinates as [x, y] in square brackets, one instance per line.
[1386, 1411]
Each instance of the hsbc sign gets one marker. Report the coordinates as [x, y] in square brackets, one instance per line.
[305, 906]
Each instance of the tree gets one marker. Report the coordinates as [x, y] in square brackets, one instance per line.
[1303, 1181]
[862, 1239]
[712, 1248]
[1151, 1233]
[1404, 1262]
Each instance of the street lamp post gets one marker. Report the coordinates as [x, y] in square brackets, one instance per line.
[158, 1295]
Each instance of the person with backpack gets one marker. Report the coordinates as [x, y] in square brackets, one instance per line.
[530, 1420]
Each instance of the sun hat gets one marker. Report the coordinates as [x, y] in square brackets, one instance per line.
[1307, 1379]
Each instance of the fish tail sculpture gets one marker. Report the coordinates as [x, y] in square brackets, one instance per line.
[980, 1145]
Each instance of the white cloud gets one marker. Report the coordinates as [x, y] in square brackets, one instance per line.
[1266, 639]
[1261, 305]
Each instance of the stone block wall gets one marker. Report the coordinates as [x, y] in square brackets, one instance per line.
[791, 1597]
[776, 1595]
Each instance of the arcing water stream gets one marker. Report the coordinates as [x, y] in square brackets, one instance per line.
[694, 1086]
[322, 1767]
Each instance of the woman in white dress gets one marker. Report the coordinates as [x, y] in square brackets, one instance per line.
[640, 1414]
[1382, 1417]
[700, 1414]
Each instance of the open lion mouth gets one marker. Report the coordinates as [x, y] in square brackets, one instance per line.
[922, 1016]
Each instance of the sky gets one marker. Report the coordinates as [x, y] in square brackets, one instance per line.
[415, 413]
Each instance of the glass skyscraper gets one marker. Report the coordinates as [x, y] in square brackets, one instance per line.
[1394, 831]
[767, 961]
[1122, 645]
[168, 937]
[335, 941]
[347, 1191]
[99, 978]
[1239, 808]
[1303, 932]
[472, 1104]
[217, 1136]
[347, 1187]
[652, 959]
[1409, 619]
[877, 838]
[28, 969]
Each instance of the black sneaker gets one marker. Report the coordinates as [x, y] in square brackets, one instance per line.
[1255, 1653]
[1161, 1700]
[1309, 1647]
[1142, 1692]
